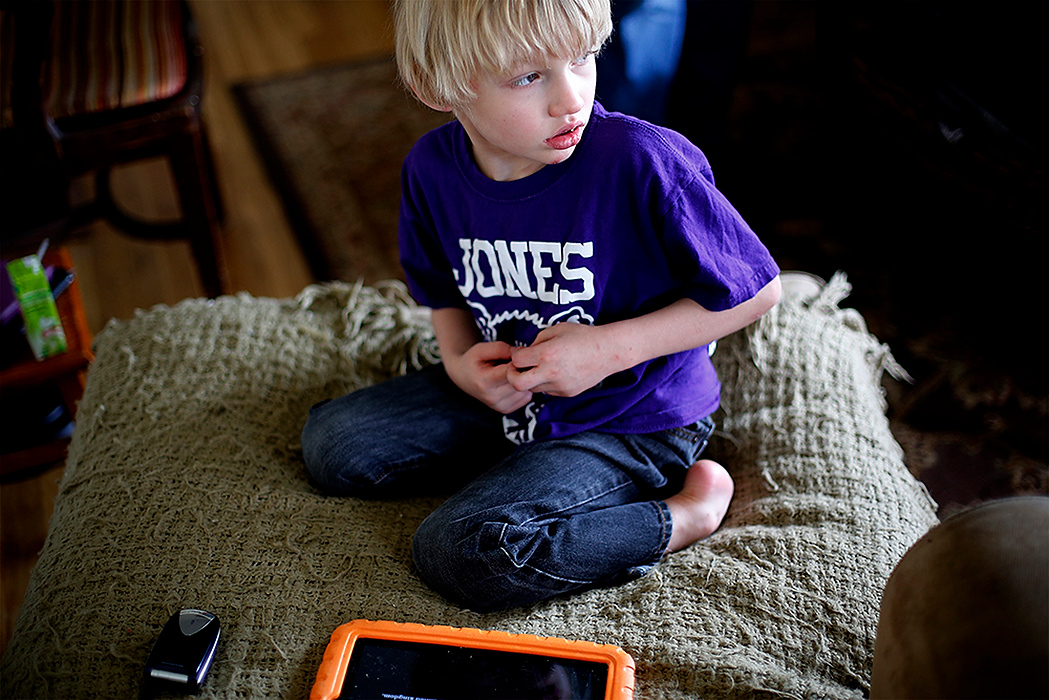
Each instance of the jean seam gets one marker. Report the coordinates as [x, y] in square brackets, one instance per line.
[548, 575]
[405, 466]
[693, 436]
[572, 506]
[543, 572]
[398, 470]
[667, 527]
[563, 509]
[518, 567]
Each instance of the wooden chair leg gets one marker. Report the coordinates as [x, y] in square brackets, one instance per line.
[194, 177]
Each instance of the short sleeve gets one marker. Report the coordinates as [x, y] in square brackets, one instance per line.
[710, 246]
[427, 271]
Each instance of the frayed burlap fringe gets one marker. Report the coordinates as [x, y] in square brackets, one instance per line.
[185, 488]
[383, 331]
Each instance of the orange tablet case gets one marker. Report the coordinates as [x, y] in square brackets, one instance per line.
[332, 673]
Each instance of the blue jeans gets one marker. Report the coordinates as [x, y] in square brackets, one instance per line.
[528, 522]
[638, 66]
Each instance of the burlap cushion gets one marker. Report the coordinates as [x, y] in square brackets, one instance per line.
[185, 488]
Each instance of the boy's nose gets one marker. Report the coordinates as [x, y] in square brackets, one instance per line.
[567, 97]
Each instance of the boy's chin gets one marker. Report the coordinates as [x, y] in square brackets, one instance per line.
[560, 156]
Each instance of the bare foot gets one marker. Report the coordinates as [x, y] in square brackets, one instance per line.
[699, 507]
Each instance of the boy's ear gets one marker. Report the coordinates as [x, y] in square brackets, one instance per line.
[432, 105]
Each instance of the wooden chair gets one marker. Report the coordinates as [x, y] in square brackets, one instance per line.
[93, 85]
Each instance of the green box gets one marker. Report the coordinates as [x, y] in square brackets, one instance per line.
[43, 326]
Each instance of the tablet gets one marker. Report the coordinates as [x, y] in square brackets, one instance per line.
[407, 661]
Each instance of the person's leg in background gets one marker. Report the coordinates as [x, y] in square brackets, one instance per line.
[966, 611]
[637, 67]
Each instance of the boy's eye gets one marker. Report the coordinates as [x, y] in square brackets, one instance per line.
[584, 58]
[525, 80]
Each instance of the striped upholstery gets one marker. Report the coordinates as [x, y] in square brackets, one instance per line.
[110, 54]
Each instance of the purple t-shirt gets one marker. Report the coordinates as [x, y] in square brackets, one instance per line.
[630, 223]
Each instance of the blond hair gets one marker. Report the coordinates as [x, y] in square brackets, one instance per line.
[444, 45]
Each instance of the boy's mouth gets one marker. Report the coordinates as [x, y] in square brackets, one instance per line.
[567, 137]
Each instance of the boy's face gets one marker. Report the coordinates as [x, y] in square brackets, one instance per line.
[529, 118]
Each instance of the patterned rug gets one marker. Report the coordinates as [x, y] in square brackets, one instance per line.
[333, 141]
[973, 423]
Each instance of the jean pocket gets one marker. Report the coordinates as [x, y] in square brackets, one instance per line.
[697, 434]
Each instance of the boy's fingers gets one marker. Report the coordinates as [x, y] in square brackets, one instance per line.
[521, 378]
[494, 352]
[509, 404]
[520, 358]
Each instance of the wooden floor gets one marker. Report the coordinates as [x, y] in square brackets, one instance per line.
[244, 40]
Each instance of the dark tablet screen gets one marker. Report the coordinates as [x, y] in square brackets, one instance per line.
[396, 670]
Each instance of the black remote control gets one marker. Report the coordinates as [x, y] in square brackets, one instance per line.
[182, 655]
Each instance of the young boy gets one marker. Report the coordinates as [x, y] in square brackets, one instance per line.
[578, 263]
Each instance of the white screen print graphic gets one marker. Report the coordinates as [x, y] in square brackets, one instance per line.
[554, 273]
[547, 271]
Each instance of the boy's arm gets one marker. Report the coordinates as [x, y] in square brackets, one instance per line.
[569, 358]
[476, 367]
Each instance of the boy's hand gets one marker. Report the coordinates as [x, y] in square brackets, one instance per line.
[569, 358]
[476, 367]
[481, 372]
[565, 360]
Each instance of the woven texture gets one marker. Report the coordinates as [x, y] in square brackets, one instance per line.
[185, 488]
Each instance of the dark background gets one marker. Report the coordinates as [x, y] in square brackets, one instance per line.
[904, 143]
